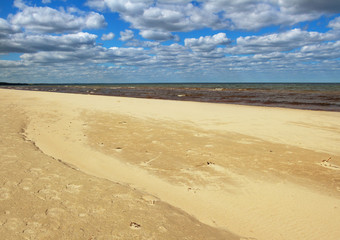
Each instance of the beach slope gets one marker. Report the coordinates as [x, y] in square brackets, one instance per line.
[79, 166]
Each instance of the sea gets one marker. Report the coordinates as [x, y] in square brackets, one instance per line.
[310, 96]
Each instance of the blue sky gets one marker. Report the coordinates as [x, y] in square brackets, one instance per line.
[126, 41]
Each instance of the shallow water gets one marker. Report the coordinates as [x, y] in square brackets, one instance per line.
[311, 96]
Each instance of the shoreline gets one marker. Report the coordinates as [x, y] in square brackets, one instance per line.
[257, 172]
[306, 98]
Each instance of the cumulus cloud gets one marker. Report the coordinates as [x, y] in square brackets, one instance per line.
[106, 37]
[19, 4]
[48, 58]
[93, 20]
[51, 37]
[114, 55]
[6, 29]
[253, 14]
[206, 55]
[329, 50]
[278, 42]
[165, 16]
[335, 23]
[97, 4]
[126, 35]
[156, 35]
[11, 64]
[23, 43]
[328, 6]
[131, 53]
[144, 44]
[49, 20]
[157, 20]
[207, 43]
[130, 6]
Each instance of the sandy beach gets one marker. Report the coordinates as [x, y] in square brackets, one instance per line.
[97, 167]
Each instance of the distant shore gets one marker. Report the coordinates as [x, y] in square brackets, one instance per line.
[81, 166]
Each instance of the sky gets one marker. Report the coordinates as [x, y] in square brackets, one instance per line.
[149, 41]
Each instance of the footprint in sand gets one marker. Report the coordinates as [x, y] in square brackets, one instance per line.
[327, 164]
[194, 190]
[135, 226]
[217, 168]
[48, 194]
[151, 200]
[118, 149]
[35, 171]
[54, 212]
[73, 188]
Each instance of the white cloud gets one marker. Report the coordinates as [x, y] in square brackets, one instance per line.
[159, 14]
[325, 51]
[11, 64]
[170, 61]
[28, 32]
[181, 15]
[49, 20]
[157, 20]
[126, 35]
[156, 35]
[278, 42]
[335, 23]
[46, 1]
[19, 4]
[106, 37]
[80, 49]
[23, 43]
[253, 14]
[93, 21]
[6, 28]
[125, 7]
[144, 44]
[126, 52]
[307, 6]
[114, 55]
[207, 43]
[173, 18]
[96, 4]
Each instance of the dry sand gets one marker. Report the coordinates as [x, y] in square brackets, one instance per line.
[82, 167]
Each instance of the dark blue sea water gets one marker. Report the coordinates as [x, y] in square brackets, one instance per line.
[312, 96]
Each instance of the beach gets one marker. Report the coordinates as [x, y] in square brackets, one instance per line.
[76, 166]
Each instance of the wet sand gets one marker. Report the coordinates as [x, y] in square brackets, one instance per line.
[78, 166]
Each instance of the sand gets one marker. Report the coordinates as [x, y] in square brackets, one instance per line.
[82, 167]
